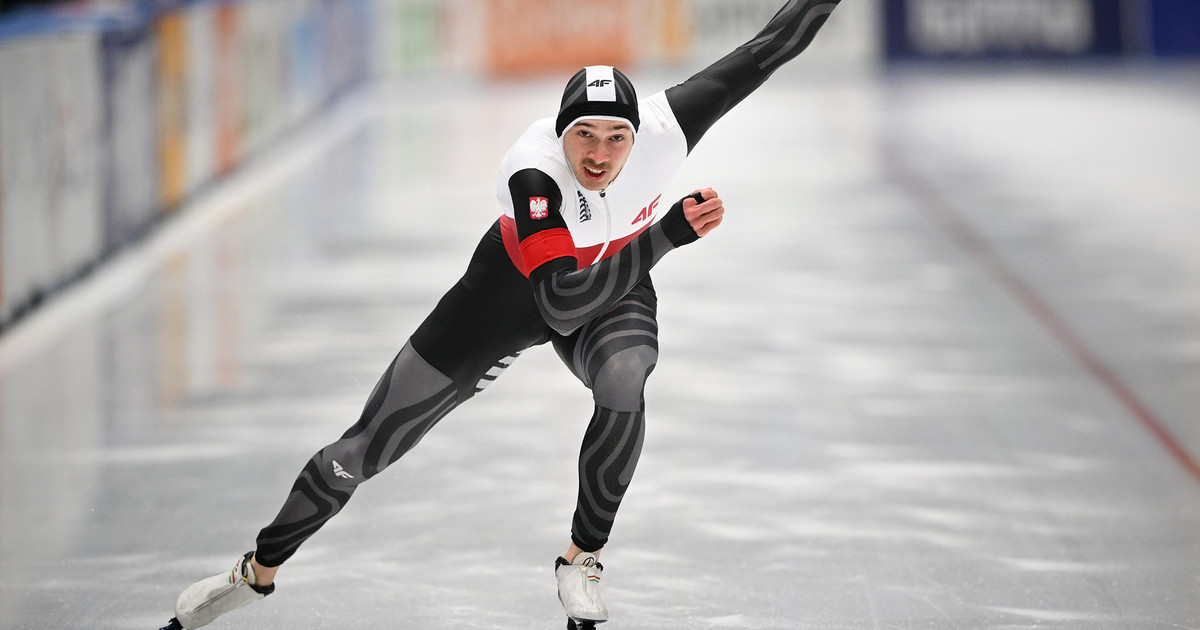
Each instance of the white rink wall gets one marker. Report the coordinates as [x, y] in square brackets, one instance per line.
[110, 120]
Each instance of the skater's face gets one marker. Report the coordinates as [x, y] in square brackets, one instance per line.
[597, 150]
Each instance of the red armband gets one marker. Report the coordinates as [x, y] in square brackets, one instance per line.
[546, 245]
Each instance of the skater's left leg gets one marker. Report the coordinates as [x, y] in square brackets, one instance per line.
[613, 356]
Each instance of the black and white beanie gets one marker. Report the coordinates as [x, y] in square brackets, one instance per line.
[598, 92]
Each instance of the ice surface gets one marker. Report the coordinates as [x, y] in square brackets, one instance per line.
[854, 422]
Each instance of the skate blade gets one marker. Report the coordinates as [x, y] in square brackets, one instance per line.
[172, 625]
[580, 625]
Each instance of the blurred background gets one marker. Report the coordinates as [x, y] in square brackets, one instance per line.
[114, 113]
[963, 359]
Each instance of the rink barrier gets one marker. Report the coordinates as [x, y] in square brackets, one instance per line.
[51, 188]
[111, 120]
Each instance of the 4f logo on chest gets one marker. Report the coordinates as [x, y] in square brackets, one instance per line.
[539, 207]
[599, 83]
[646, 212]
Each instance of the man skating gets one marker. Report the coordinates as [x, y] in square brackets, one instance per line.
[568, 263]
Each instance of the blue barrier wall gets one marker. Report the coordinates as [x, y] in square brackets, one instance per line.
[1176, 27]
[1040, 29]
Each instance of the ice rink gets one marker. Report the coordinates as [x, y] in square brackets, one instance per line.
[940, 368]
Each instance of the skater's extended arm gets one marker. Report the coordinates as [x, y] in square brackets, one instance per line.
[568, 297]
[710, 94]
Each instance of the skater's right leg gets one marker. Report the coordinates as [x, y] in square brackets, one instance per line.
[475, 331]
[410, 398]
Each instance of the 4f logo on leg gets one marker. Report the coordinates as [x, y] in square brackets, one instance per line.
[341, 472]
[599, 83]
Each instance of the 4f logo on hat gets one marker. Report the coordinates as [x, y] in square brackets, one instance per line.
[600, 84]
[539, 207]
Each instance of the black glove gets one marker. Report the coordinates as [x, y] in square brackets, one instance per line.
[676, 226]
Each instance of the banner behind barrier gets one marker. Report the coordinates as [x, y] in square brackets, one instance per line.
[531, 35]
[228, 89]
[172, 93]
[130, 166]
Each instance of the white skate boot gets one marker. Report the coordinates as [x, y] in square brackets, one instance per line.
[579, 589]
[212, 597]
